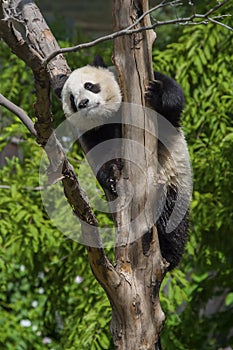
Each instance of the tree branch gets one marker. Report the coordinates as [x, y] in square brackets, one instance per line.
[214, 20]
[31, 40]
[155, 8]
[19, 112]
[34, 189]
[25, 31]
[55, 152]
[129, 31]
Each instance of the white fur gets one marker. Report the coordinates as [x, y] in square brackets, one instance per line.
[175, 171]
[174, 164]
[101, 105]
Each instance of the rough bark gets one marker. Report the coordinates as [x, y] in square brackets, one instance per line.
[137, 316]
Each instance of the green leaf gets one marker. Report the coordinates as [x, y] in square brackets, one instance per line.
[229, 299]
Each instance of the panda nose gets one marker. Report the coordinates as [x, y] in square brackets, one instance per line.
[83, 103]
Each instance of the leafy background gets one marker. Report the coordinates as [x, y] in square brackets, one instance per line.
[49, 298]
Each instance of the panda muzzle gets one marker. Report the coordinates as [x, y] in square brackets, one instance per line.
[83, 103]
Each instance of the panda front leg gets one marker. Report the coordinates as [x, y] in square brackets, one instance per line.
[166, 97]
[109, 175]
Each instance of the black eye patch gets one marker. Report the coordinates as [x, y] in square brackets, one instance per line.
[95, 88]
[73, 105]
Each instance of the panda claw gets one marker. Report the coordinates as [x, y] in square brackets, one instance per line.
[107, 178]
[151, 89]
[112, 186]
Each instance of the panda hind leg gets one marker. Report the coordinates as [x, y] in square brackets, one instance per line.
[172, 243]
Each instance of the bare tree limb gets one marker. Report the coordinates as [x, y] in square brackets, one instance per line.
[191, 20]
[55, 152]
[34, 189]
[19, 112]
[155, 8]
[20, 32]
[25, 31]
[214, 20]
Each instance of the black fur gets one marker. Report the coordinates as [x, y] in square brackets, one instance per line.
[172, 243]
[95, 88]
[60, 81]
[72, 103]
[98, 62]
[166, 97]
[109, 173]
[146, 241]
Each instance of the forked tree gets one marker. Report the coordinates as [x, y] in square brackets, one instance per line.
[133, 280]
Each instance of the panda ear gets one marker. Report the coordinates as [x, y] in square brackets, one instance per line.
[60, 83]
[98, 62]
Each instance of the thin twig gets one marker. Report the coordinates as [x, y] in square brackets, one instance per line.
[216, 7]
[155, 8]
[126, 31]
[184, 21]
[19, 112]
[213, 20]
[38, 188]
[129, 31]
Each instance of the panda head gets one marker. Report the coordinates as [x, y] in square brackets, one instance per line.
[91, 95]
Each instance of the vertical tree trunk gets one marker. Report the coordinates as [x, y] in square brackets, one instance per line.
[137, 317]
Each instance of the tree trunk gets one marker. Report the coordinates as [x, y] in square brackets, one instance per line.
[137, 317]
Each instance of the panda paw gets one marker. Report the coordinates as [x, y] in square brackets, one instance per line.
[152, 92]
[108, 177]
[111, 184]
[151, 88]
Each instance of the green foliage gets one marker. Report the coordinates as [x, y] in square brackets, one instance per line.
[47, 290]
[202, 61]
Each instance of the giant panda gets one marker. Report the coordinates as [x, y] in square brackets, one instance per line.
[92, 95]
